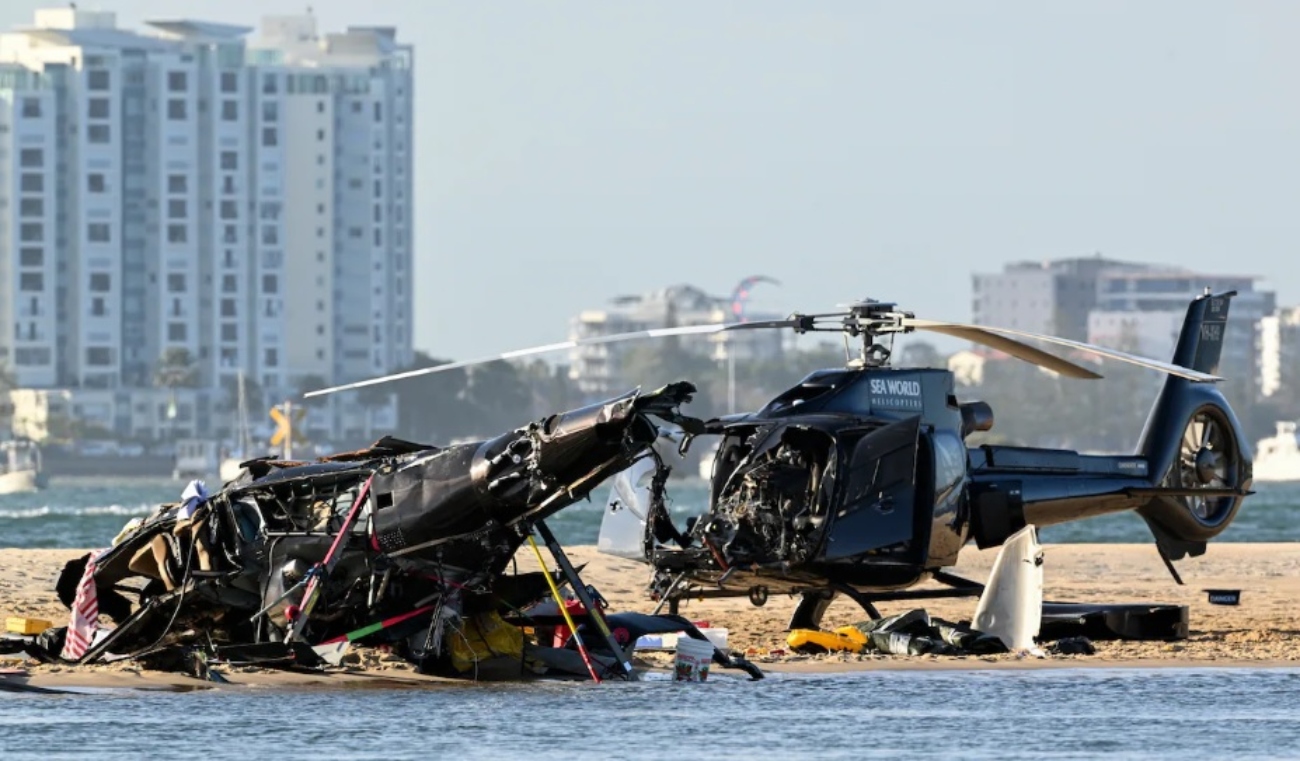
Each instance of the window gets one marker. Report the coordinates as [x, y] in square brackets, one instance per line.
[32, 108]
[97, 232]
[271, 357]
[354, 232]
[100, 282]
[176, 208]
[229, 332]
[270, 284]
[31, 281]
[227, 307]
[270, 111]
[229, 234]
[97, 108]
[229, 209]
[176, 282]
[320, 106]
[95, 183]
[229, 161]
[268, 137]
[97, 307]
[270, 235]
[32, 207]
[176, 109]
[97, 133]
[229, 81]
[31, 157]
[356, 106]
[229, 284]
[177, 233]
[32, 257]
[229, 110]
[379, 112]
[97, 79]
[32, 183]
[269, 84]
[176, 81]
[379, 237]
[177, 183]
[176, 331]
[320, 134]
[99, 356]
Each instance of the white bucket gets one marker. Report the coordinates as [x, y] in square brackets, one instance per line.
[693, 659]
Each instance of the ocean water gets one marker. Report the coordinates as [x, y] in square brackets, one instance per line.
[86, 512]
[1032, 714]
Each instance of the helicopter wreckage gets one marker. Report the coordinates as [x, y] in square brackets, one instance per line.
[857, 481]
[401, 544]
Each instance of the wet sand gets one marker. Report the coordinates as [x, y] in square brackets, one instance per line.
[1263, 631]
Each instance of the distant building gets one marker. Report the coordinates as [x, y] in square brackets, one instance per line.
[597, 369]
[1280, 351]
[249, 202]
[1050, 296]
[1142, 311]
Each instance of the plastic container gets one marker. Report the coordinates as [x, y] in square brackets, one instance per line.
[693, 659]
[27, 626]
[562, 633]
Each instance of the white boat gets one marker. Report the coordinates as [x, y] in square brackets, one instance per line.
[706, 462]
[20, 467]
[196, 459]
[1277, 458]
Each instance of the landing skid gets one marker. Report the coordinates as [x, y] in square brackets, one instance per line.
[815, 600]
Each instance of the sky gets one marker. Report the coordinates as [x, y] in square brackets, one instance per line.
[570, 151]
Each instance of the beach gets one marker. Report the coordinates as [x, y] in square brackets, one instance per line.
[1263, 631]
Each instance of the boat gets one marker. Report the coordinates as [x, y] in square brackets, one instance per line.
[706, 462]
[195, 459]
[20, 467]
[231, 466]
[1277, 458]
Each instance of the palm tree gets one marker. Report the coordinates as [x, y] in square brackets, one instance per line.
[7, 383]
[175, 369]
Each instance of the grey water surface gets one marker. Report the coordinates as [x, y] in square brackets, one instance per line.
[1107, 713]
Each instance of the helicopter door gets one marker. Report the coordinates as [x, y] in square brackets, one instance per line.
[878, 502]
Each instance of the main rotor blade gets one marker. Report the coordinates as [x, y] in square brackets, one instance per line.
[1101, 351]
[684, 330]
[1010, 346]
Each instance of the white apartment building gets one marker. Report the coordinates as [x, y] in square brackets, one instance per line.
[1279, 343]
[248, 201]
[596, 368]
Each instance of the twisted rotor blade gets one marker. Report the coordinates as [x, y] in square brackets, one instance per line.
[684, 330]
[1010, 346]
[999, 338]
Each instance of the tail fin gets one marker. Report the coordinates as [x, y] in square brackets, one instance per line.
[1201, 341]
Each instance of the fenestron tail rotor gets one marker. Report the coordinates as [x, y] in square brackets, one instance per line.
[866, 320]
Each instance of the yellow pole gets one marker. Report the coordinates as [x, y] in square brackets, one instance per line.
[555, 592]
